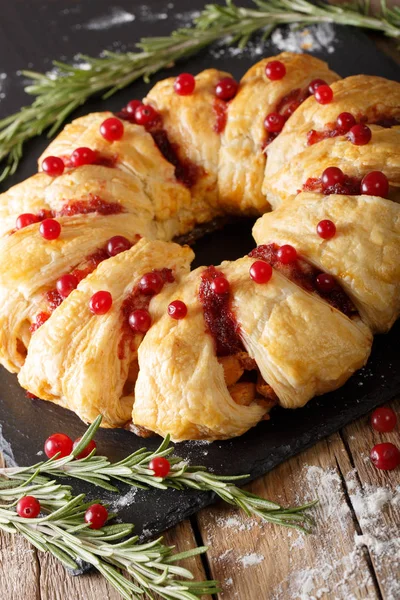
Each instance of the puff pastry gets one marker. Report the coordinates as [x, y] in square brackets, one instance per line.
[241, 343]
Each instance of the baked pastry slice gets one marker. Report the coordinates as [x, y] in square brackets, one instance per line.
[30, 267]
[296, 343]
[88, 362]
[363, 255]
[367, 99]
[304, 172]
[244, 139]
[187, 131]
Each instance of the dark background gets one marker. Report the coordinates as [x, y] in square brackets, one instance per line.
[31, 35]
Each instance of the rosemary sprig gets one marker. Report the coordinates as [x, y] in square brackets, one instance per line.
[151, 567]
[59, 93]
[134, 470]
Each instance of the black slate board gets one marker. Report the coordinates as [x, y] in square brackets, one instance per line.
[31, 33]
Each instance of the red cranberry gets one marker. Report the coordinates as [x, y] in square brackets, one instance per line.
[184, 84]
[325, 282]
[25, 220]
[117, 244]
[345, 121]
[83, 156]
[220, 285]
[28, 507]
[359, 134]
[145, 114]
[151, 284]
[287, 254]
[260, 271]
[226, 89]
[140, 320]
[323, 94]
[132, 106]
[161, 466]
[87, 449]
[326, 229]
[331, 176]
[112, 129]
[274, 122]
[177, 309]
[66, 284]
[385, 456]
[315, 84]
[53, 166]
[58, 443]
[275, 70]
[100, 303]
[375, 184]
[96, 516]
[50, 229]
[383, 419]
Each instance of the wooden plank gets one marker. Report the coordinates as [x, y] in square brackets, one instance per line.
[259, 560]
[19, 566]
[375, 496]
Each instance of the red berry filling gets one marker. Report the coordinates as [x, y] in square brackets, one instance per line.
[89, 205]
[306, 276]
[220, 109]
[218, 316]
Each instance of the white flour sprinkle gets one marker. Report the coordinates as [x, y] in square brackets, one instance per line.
[123, 501]
[236, 523]
[250, 560]
[116, 17]
[148, 16]
[315, 37]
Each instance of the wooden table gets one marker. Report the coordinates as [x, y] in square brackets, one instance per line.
[255, 561]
